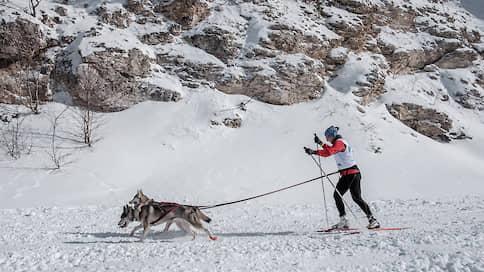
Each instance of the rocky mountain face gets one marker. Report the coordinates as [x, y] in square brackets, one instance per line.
[279, 52]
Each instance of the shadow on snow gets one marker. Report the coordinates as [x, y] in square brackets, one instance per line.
[161, 236]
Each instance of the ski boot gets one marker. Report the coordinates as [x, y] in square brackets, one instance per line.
[342, 224]
[372, 223]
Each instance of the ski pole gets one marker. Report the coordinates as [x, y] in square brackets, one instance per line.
[336, 190]
[324, 193]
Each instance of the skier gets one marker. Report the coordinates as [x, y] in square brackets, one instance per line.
[349, 175]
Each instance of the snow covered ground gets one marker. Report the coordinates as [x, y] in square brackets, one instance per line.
[172, 152]
[444, 235]
[67, 219]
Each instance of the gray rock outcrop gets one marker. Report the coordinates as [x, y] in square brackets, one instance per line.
[233, 122]
[217, 42]
[287, 83]
[187, 13]
[461, 58]
[24, 69]
[155, 38]
[428, 122]
[289, 40]
[113, 75]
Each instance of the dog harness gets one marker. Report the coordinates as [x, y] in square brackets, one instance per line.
[165, 207]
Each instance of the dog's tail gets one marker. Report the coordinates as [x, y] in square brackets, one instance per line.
[203, 216]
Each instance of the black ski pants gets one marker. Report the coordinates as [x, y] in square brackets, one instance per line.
[351, 182]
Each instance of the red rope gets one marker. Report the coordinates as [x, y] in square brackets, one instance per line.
[261, 195]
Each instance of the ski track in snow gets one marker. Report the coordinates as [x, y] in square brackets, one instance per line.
[445, 235]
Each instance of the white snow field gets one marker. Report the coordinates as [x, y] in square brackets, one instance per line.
[445, 235]
[66, 220]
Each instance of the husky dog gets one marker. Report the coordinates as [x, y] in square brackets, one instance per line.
[155, 213]
[140, 199]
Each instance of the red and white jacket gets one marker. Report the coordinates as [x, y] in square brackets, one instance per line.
[343, 154]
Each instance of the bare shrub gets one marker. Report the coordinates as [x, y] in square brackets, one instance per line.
[14, 138]
[33, 4]
[88, 121]
[30, 86]
[58, 157]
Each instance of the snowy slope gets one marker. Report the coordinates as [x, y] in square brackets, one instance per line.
[172, 152]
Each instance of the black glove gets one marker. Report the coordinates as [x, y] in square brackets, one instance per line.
[317, 140]
[309, 151]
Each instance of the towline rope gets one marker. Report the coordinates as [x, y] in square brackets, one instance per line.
[261, 195]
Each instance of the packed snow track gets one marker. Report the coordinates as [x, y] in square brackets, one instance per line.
[444, 235]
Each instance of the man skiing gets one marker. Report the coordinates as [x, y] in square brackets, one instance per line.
[349, 175]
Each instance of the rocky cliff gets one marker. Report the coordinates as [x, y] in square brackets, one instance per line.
[279, 52]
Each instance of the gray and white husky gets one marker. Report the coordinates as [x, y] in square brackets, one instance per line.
[156, 213]
[140, 199]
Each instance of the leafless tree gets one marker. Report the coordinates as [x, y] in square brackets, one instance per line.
[88, 120]
[33, 4]
[14, 138]
[34, 87]
[30, 86]
[57, 157]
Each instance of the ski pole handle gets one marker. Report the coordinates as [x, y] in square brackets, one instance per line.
[317, 140]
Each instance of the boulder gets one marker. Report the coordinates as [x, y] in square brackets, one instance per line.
[480, 79]
[355, 6]
[233, 122]
[289, 40]
[21, 40]
[217, 42]
[428, 122]
[188, 13]
[106, 80]
[163, 94]
[156, 38]
[371, 90]
[24, 69]
[337, 56]
[444, 32]
[119, 18]
[287, 83]
[402, 62]
[189, 70]
[461, 58]
[62, 11]
[141, 7]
